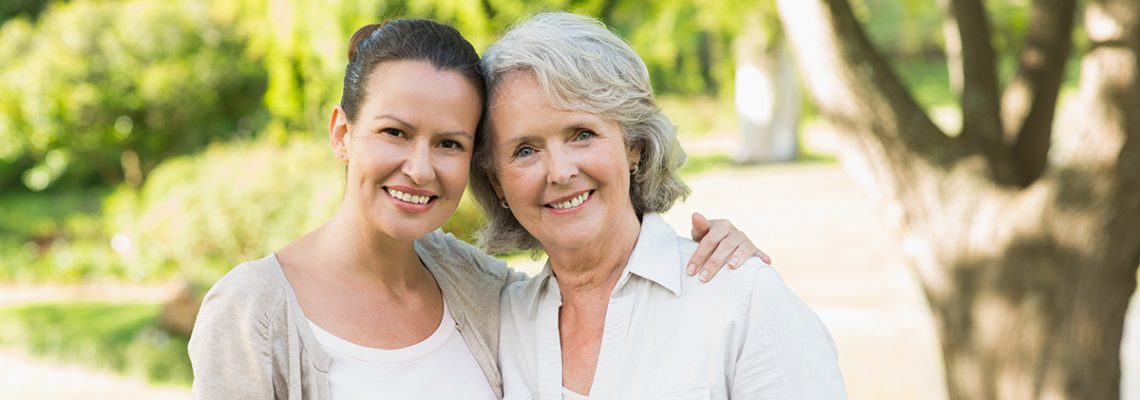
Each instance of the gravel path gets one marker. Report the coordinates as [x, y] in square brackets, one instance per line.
[26, 378]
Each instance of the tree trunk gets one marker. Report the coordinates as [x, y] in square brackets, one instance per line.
[1028, 281]
[768, 106]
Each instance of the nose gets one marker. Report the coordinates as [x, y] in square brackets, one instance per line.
[561, 167]
[418, 164]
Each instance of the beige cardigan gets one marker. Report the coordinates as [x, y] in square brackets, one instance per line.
[251, 340]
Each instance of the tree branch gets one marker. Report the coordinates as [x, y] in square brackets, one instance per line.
[1030, 99]
[973, 74]
[891, 147]
[852, 84]
[970, 58]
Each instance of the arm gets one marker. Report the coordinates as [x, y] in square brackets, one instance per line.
[229, 349]
[484, 261]
[720, 243]
[785, 352]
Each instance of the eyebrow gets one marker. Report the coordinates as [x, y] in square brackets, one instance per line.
[397, 119]
[413, 127]
[521, 139]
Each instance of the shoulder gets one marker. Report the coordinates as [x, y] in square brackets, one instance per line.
[251, 290]
[520, 298]
[754, 282]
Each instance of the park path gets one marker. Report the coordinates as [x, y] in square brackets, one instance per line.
[31, 378]
[825, 240]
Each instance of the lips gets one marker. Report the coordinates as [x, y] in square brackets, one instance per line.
[571, 202]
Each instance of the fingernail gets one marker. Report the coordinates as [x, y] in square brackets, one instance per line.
[705, 276]
[692, 268]
[733, 263]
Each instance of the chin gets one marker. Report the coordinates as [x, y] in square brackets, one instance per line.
[576, 239]
[408, 229]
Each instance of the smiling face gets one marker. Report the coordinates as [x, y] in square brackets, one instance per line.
[409, 150]
[564, 173]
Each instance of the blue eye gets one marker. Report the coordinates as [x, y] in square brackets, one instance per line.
[584, 134]
[524, 152]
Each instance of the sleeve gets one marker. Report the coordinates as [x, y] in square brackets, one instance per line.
[229, 347]
[786, 351]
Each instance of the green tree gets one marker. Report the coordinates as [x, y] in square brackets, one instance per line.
[1021, 228]
[106, 90]
[22, 8]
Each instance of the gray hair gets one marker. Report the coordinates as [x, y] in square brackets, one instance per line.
[580, 65]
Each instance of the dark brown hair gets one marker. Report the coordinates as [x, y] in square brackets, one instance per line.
[405, 39]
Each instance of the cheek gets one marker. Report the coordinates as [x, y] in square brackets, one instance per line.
[454, 172]
[519, 181]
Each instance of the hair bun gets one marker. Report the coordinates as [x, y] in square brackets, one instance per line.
[360, 35]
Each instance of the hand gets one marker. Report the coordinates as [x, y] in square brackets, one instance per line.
[720, 244]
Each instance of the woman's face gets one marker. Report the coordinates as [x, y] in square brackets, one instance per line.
[564, 173]
[409, 149]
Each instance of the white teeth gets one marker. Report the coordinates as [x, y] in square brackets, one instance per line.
[577, 201]
[408, 197]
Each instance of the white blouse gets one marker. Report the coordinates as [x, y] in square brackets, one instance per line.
[439, 367]
[744, 335]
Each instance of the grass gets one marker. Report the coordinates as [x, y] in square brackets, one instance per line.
[48, 215]
[116, 337]
[55, 237]
[697, 116]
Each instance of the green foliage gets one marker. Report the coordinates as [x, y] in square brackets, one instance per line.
[302, 46]
[30, 9]
[56, 237]
[106, 90]
[200, 215]
[118, 337]
[697, 116]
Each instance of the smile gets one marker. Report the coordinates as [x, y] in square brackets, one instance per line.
[409, 198]
[574, 202]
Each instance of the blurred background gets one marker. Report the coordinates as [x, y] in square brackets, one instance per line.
[148, 146]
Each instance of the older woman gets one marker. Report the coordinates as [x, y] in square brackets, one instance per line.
[578, 160]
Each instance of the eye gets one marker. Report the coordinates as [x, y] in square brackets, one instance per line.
[584, 135]
[393, 132]
[451, 144]
[524, 152]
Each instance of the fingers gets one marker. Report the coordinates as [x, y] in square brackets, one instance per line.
[720, 257]
[715, 234]
[763, 256]
[700, 226]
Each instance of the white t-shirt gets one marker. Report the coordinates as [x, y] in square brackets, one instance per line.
[439, 367]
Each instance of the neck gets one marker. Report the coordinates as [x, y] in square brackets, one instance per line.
[362, 252]
[595, 270]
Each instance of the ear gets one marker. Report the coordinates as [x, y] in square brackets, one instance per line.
[633, 153]
[494, 180]
[339, 136]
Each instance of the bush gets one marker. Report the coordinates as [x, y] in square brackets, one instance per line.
[55, 237]
[200, 215]
[103, 91]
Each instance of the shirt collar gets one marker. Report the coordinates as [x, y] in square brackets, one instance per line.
[655, 256]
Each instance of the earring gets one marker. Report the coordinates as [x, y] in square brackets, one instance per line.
[633, 171]
[503, 203]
